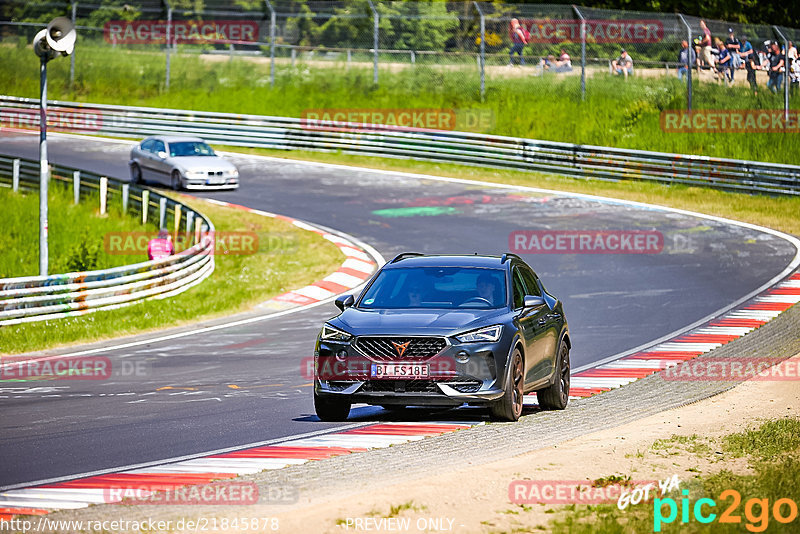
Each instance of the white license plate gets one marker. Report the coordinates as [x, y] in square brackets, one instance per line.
[399, 370]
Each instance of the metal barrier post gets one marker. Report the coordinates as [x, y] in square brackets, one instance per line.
[482, 60]
[688, 61]
[44, 169]
[189, 222]
[162, 211]
[15, 175]
[125, 193]
[375, 35]
[169, 33]
[177, 221]
[198, 226]
[103, 195]
[72, 55]
[145, 205]
[583, 51]
[271, 43]
[785, 74]
[76, 187]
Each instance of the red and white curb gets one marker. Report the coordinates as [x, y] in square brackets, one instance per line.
[357, 267]
[734, 324]
[140, 483]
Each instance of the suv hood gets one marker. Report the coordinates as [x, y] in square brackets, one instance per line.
[414, 322]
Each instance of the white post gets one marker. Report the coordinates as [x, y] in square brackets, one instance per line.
[189, 222]
[145, 204]
[162, 212]
[177, 220]
[198, 227]
[15, 175]
[103, 194]
[125, 193]
[76, 187]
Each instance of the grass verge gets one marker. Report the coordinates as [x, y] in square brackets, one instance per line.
[749, 495]
[75, 237]
[286, 258]
[780, 213]
[615, 112]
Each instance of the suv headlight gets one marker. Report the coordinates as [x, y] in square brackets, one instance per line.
[330, 333]
[490, 333]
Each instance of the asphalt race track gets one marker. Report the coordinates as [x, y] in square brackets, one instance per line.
[245, 384]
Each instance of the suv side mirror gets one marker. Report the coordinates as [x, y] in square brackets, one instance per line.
[344, 301]
[533, 301]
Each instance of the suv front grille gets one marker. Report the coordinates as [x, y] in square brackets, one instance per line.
[386, 349]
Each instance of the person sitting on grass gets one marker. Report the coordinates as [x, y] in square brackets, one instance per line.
[563, 63]
[622, 65]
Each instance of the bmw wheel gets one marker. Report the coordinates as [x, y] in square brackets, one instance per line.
[176, 181]
[136, 174]
[331, 409]
[556, 396]
[509, 406]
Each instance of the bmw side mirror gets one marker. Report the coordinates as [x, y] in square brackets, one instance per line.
[533, 301]
[344, 301]
[161, 154]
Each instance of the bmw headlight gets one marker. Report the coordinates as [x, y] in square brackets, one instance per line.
[234, 173]
[490, 333]
[194, 174]
[330, 333]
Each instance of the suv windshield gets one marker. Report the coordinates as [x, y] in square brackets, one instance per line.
[190, 148]
[436, 287]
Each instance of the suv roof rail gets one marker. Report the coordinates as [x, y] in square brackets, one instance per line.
[404, 255]
[507, 255]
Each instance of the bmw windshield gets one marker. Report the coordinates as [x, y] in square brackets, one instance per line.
[190, 148]
[436, 287]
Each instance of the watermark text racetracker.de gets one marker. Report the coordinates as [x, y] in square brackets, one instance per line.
[149, 524]
[179, 31]
[417, 119]
[586, 241]
[733, 369]
[72, 368]
[225, 242]
[730, 121]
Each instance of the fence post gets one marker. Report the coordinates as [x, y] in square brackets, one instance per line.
[162, 212]
[688, 61]
[15, 175]
[103, 194]
[583, 51]
[72, 55]
[145, 204]
[785, 75]
[294, 55]
[76, 187]
[126, 188]
[482, 60]
[177, 221]
[271, 43]
[189, 222]
[198, 226]
[169, 33]
[375, 35]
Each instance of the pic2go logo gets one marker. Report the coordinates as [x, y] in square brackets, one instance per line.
[756, 511]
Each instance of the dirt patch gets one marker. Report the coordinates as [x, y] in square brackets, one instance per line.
[682, 442]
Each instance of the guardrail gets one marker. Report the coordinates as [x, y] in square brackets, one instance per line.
[496, 151]
[40, 298]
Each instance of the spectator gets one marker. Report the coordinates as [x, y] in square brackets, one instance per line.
[775, 68]
[724, 63]
[563, 63]
[622, 65]
[751, 64]
[794, 67]
[705, 45]
[519, 39]
[161, 246]
[733, 45]
[686, 58]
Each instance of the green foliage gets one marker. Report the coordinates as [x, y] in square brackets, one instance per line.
[85, 255]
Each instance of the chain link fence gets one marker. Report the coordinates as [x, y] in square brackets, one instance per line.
[563, 48]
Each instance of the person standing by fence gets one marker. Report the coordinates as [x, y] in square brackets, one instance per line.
[705, 46]
[775, 68]
[519, 38]
[686, 58]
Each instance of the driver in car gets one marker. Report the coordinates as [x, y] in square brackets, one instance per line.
[486, 288]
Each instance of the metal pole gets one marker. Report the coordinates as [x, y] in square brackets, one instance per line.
[375, 35]
[785, 74]
[583, 51]
[688, 63]
[169, 32]
[72, 55]
[482, 62]
[44, 170]
[271, 43]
